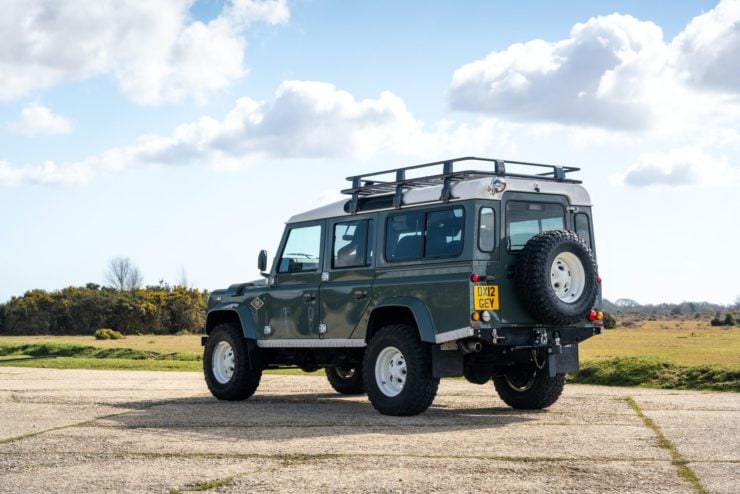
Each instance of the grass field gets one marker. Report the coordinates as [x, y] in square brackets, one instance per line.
[681, 343]
[669, 354]
[188, 343]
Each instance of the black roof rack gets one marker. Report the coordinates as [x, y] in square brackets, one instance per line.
[362, 185]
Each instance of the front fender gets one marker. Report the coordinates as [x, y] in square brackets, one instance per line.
[230, 312]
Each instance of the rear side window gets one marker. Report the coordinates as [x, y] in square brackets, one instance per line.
[583, 227]
[404, 237]
[444, 233]
[486, 230]
[524, 220]
[434, 234]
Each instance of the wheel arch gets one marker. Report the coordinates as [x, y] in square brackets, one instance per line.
[402, 310]
[231, 316]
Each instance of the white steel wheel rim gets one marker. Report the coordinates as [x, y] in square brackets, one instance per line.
[223, 362]
[390, 371]
[521, 388]
[567, 277]
[345, 374]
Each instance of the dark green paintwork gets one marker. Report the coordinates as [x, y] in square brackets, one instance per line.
[437, 291]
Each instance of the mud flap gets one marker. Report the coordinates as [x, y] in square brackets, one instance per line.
[565, 362]
[446, 363]
[256, 361]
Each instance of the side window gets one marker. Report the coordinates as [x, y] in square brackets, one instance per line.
[583, 227]
[444, 233]
[424, 235]
[487, 230]
[350, 245]
[403, 237]
[524, 220]
[301, 252]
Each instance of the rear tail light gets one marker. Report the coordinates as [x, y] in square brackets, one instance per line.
[592, 315]
[475, 316]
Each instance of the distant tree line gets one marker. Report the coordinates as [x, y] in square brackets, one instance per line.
[83, 310]
[692, 309]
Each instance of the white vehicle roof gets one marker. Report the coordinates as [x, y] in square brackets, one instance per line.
[478, 188]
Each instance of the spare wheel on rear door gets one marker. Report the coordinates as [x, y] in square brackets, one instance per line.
[556, 277]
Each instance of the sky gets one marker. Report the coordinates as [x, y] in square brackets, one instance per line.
[183, 134]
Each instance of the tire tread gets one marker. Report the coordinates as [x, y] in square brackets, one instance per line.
[544, 392]
[352, 386]
[420, 389]
[245, 381]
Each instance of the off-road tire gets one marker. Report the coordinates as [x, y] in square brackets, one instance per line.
[533, 284]
[352, 385]
[244, 381]
[420, 385]
[543, 391]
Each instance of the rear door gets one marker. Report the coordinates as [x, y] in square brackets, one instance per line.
[347, 290]
[524, 216]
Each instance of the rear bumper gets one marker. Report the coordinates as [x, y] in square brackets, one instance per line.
[523, 337]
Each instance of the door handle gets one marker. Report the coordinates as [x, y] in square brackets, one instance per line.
[309, 297]
[358, 295]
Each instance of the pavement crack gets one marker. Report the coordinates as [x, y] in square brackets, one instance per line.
[677, 459]
[84, 423]
[205, 486]
[38, 433]
[289, 458]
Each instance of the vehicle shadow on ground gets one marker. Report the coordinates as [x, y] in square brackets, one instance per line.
[305, 415]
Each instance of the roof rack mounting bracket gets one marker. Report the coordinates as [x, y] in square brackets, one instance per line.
[398, 196]
[446, 182]
[354, 202]
[500, 167]
[558, 173]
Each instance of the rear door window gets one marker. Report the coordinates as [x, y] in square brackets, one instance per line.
[526, 219]
[350, 245]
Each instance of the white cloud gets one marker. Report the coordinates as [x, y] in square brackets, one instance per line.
[615, 73]
[707, 52]
[156, 52]
[36, 119]
[48, 173]
[307, 119]
[687, 167]
[585, 79]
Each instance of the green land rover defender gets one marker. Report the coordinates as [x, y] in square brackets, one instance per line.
[423, 272]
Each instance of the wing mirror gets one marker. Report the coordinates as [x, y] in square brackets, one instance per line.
[262, 262]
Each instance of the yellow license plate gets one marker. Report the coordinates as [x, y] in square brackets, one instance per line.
[485, 297]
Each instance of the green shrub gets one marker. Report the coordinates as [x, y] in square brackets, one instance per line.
[82, 310]
[108, 334]
[655, 373]
[609, 321]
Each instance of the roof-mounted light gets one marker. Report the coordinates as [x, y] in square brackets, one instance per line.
[497, 185]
